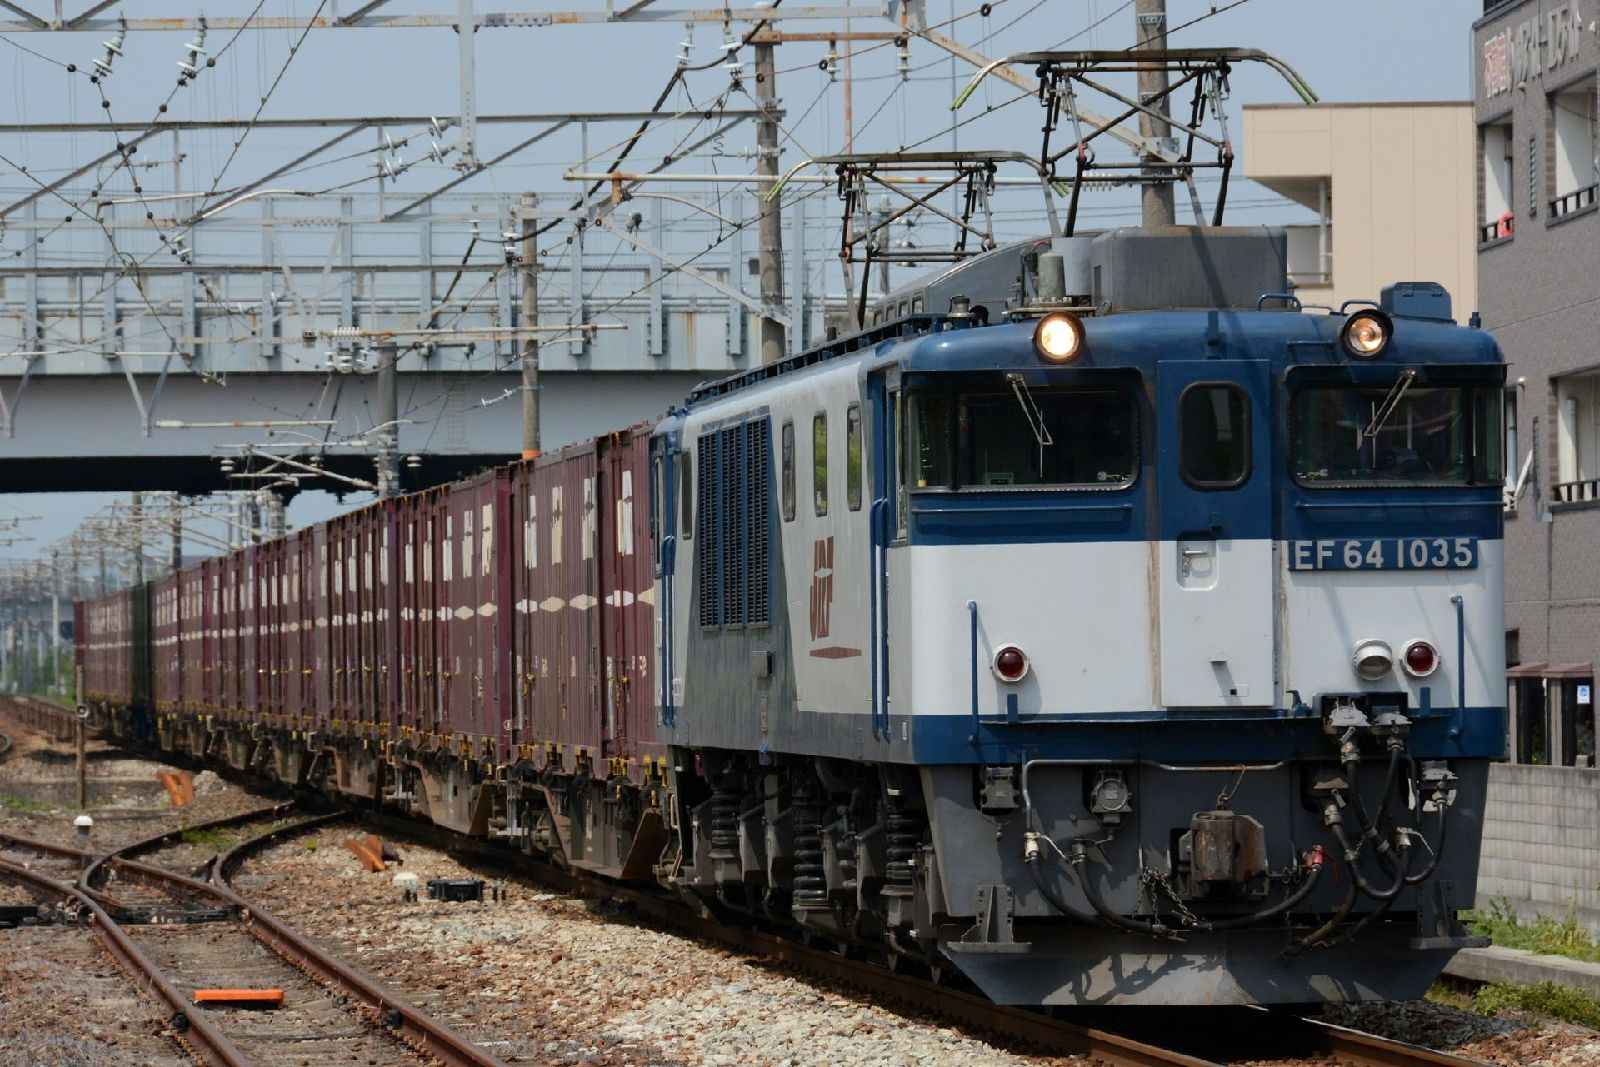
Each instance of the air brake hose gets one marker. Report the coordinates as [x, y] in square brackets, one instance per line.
[1384, 905]
[1030, 856]
[1352, 855]
[1316, 859]
[1092, 892]
[1370, 827]
[1438, 850]
[1328, 928]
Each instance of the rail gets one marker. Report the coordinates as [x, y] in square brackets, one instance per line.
[1105, 1042]
[420, 1031]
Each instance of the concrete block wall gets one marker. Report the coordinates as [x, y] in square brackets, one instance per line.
[1541, 842]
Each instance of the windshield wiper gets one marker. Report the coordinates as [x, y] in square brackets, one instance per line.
[1390, 402]
[1030, 409]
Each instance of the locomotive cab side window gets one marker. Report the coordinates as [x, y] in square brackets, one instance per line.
[1023, 437]
[786, 447]
[852, 457]
[1214, 435]
[686, 493]
[819, 463]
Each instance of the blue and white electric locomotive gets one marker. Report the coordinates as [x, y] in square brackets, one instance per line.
[1099, 623]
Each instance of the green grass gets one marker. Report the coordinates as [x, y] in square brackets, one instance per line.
[1546, 998]
[215, 840]
[12, 802]
[1547, 936]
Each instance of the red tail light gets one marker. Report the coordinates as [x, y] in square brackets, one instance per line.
[1421, 658]
[1010, 663]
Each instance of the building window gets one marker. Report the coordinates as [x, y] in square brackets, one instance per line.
[1577, 438]
[819, 463]
[1572, 125]
[1494, 142]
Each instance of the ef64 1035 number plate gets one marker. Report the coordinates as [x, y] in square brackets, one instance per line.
[1384, 554]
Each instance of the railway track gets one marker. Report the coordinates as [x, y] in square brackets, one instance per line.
[174, 935]
[168, 883]
[1202, 1037]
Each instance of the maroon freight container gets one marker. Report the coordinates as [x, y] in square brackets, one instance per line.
[627, 583]
[526, 554]
[225, 675]
[386, 619]
[211, 613]
[344, 655]
[284, 662]
[404, 715]
[562, 642]
[476, 573]
[316, 670]
[168, 653]
[269, 602]
[432, 611]
[191, 622]
[107, 648]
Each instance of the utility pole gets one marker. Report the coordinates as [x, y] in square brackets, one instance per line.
[277, 520]
[774, 344]
[175, 524]
[55, 621]
[1150, 34]
[529, 316]
[388, 419]
[137, 512]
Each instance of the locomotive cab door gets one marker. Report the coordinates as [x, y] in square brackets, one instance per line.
[1214, 477]
[886, 520]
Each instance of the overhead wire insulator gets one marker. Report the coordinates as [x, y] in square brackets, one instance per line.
[904, 66]
[730, 48]
[830, 62]
[686, 46]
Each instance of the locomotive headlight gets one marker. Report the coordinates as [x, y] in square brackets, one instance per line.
[1059, 337]
[1010, 664]
[1373, 659]
[1366, 334]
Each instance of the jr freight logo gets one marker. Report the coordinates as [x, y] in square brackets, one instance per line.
[821, 587]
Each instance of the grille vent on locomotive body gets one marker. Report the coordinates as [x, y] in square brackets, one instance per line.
[1126, 269]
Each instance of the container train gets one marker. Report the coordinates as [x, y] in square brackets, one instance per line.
[1096, 625]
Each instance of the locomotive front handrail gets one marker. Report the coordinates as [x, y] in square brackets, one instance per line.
[977, 719]
[1350, 505]
[975, 509]
[1461, 650]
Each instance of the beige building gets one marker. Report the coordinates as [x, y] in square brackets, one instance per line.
[1392, 185]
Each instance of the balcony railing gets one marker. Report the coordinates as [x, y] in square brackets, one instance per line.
[1575, 492]
[1573, 201]
[1504, 226]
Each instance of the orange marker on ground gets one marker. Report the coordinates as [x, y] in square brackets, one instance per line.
[240, 998]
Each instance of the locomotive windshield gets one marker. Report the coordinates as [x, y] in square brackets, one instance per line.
[1399, 434]
[1003, 437]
